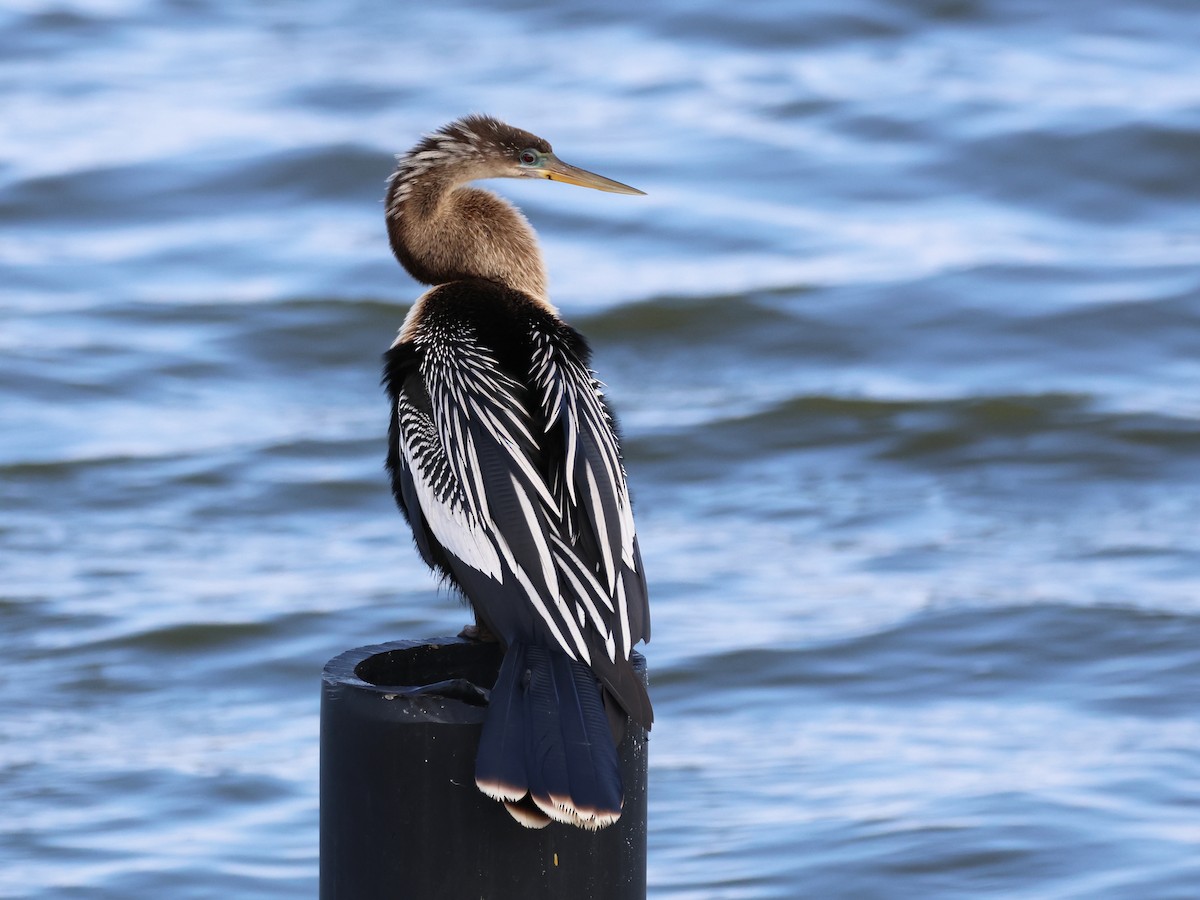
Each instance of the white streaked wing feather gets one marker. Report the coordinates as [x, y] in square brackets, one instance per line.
[473, 400]
[451, 519]
[572, 399]
[470, 395]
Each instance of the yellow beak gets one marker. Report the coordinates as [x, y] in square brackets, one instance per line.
[557, 170]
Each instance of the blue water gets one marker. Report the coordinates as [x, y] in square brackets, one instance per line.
[905, 338]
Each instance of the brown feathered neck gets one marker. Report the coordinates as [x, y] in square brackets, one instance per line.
[441, 230]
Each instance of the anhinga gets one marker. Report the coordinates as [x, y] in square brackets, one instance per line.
[505, 460]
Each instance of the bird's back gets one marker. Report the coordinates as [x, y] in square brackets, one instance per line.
[505, 461]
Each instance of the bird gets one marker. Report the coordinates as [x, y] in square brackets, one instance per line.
[504, 458]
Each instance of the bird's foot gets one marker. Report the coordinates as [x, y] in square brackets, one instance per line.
[477, 632]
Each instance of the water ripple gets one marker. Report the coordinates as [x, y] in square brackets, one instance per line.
[903, 340]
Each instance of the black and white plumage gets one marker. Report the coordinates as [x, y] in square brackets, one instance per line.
[505, 460]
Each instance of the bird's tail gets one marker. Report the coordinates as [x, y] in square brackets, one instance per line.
[547, 736]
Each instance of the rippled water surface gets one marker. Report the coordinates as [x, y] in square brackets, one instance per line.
[905, 338]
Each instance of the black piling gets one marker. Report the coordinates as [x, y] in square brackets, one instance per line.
[400, 814]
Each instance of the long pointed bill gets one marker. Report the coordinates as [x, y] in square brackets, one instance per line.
[557, 170]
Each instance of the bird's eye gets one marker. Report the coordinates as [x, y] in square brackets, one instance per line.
[529, 157]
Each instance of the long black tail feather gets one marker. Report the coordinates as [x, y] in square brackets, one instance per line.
[547, 735]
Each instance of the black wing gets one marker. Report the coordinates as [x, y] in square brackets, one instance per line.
[543, 545]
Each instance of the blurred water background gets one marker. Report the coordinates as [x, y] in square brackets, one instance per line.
[906, 342]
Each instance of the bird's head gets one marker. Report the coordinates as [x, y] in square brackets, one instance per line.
[488, 148]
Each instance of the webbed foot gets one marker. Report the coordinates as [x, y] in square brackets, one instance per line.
[477, 632]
